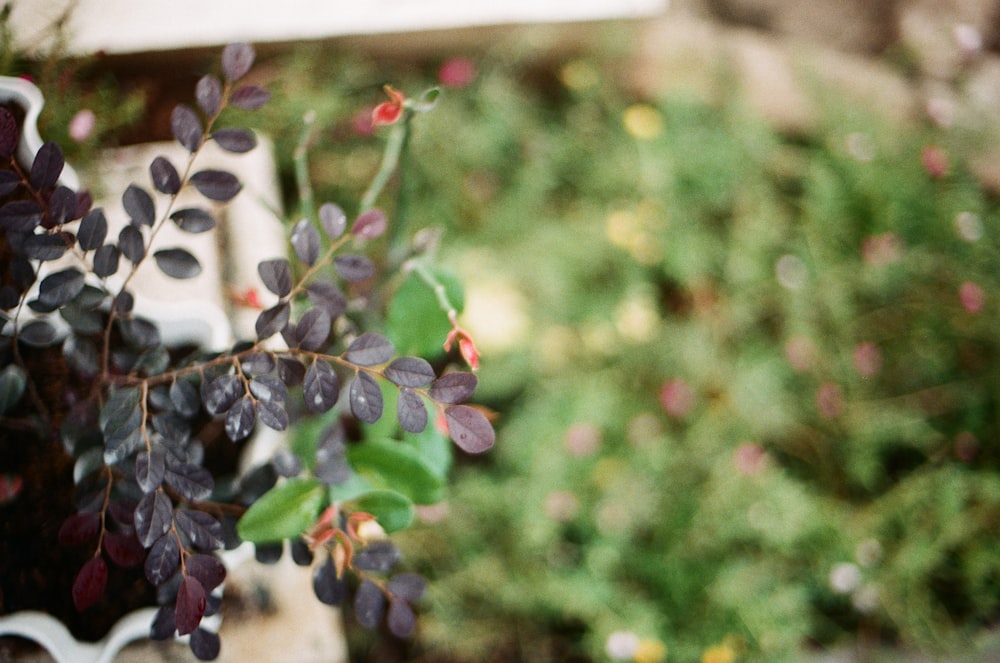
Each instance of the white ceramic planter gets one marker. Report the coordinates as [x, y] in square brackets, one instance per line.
[26, 95]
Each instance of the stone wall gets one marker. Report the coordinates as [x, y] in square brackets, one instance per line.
[932, 61]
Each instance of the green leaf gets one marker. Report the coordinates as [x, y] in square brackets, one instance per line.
[12, 384]
[283, 512]
[434, 448]
[392, 510]
[397, 466]
[415, 322]
[351, 489]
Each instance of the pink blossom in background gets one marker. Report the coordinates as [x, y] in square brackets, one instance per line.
[867, 359]
[801, 353]
[973, 297]
[561, 505]
[750, 458]
[935, 161]
[82, 125]
[829, 400]
[676, 398]
[457, 72]
[582, 439]
[883, 249]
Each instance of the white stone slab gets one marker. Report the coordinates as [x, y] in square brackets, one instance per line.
[130, 26]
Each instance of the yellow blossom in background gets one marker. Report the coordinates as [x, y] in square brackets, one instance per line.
[650, 651]
[578, 75]
[642, 121]
[636, 319]
[719, 654]
[554, 349]
[633, 231]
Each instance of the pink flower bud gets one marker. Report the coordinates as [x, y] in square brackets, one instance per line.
[867, 359]
[457, 72]
[973, 297]
[82, 125]
[676, 398]
[829, 400]
[935, 161]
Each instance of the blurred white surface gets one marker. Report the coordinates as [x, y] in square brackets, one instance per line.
[129, 26]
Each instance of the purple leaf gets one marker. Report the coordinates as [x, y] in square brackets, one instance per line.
[60, 287]
[370, 224]
[21, 215]
[150, 469]
[272, 321]
[9, 135]
[240, 419]
[153, 516]
[201, 529]
[407, 586]
[333, 219]
[379, 556]
[177, 263]
[305, 241]
[218, 185]
[272, 415]
[370, 349]
[79, 528]
[90, 583]
[329, 589]
[46, 167]
[401, 620]
[163, 560]
[139, 205]
[276, 275]
[106, 260]
[410, 372]
[205, 645]
[209, 571]
[328, 296]
[249, 97]
[186, 127]
[222, 392]
[369, 604]
[124, 549]
[193, 482]
[163, 626]
[454, 388]
[190, 606]
[193, 220]
[237, 59]
[354, 268]
[313, 329]
[9, 180]
[131, 243]
[411, 411]
[320, 387]
[44, 246]
[208, 94]
[268, 388]
[164, 176]
[366, 398]
[469, 429]
[92, 231]
[237, 141]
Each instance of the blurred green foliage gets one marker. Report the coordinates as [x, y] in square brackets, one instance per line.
[747, 382]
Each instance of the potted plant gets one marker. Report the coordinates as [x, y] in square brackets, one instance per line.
[146, 439]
